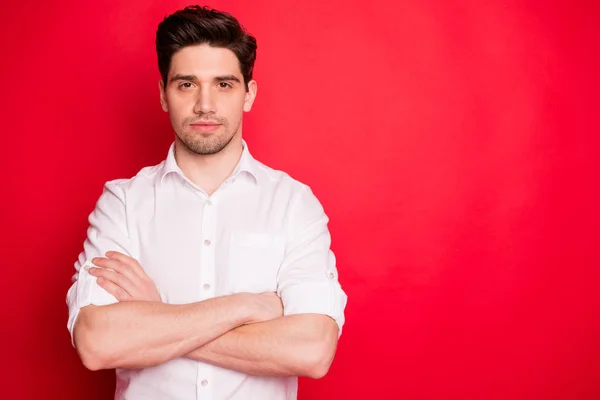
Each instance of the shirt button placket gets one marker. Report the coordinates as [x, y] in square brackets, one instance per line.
[208, 249]
[206, 286]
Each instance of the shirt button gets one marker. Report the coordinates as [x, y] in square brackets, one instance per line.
[208, 202]
[206, 286]
[330, 275]
[204, 382]
[207, 242]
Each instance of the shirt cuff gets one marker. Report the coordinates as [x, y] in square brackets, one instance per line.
[325, 298]
[85, 291]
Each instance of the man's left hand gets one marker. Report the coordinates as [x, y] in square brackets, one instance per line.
[123, 277]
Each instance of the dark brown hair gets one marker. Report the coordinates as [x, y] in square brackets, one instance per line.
[196, 25]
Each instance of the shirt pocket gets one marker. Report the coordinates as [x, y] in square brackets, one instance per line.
[254, 261]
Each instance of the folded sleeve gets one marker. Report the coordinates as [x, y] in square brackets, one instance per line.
[107, 232]
[308, 277]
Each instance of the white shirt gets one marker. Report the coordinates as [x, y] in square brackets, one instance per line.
[260, 231]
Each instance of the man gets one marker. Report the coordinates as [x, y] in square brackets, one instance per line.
[210, 275]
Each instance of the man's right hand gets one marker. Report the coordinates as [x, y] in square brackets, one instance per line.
[265, 307]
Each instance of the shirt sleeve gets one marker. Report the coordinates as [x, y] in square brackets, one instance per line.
[308, 277]
[107, 232]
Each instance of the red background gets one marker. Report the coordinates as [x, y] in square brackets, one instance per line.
[452, 143]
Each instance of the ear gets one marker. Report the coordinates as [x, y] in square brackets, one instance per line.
[163, 96]
[250, 95]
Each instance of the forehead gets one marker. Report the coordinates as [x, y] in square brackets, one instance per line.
[205, 61]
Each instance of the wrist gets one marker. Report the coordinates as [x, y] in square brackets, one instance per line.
[244, 306]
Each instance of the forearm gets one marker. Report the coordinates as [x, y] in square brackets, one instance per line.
[140, 334]
[295, 345]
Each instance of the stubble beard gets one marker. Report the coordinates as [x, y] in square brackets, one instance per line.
[207, 143]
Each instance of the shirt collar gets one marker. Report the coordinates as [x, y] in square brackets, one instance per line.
[246, 164]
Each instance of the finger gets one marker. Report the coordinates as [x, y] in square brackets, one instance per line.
[117, 266]
[117, 291]
[116, 278]
[125, 259]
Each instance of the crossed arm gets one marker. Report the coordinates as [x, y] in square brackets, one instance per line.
[132, 328]
[244, 332]
[294, 345]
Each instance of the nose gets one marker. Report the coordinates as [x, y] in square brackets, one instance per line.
[205, 102]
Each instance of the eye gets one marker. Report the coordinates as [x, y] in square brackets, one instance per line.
[185, 85]
[225, 85]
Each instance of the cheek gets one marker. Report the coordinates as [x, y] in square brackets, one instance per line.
[178, 110]
[232, 108]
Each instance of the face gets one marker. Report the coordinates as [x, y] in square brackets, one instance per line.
[205, 97]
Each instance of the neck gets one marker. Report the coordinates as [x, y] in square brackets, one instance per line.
[208, 171]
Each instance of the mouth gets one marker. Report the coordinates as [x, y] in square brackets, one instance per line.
[205, 126]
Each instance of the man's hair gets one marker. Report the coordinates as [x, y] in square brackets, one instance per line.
[195, 25]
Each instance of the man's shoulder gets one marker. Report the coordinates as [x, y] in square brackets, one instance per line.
[285, 188]
[277, 178]
[144, 178]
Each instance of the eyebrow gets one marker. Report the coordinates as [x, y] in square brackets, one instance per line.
[227, 78]
[193, 78]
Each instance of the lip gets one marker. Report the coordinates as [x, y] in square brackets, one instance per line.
[205, 126]
[205, 123]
